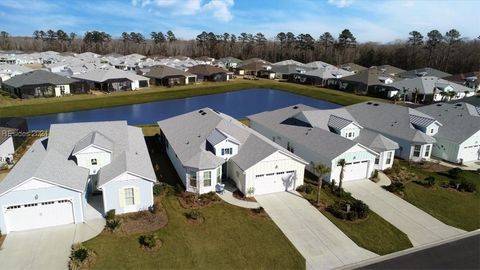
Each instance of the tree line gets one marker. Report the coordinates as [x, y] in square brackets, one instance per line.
[449, 52]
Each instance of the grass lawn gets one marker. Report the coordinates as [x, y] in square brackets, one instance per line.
[16, 107]
[374, 233]
[230, 237]
[458, 209]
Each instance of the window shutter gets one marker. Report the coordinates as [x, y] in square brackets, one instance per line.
[136, 194]
[121, 197]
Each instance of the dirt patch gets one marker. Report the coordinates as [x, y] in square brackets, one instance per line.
[259, 212]
[144, 221]
[158, 245]
[430, 166]
[239, 195]
[189, 200]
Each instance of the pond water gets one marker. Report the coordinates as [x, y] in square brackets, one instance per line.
[237, 104]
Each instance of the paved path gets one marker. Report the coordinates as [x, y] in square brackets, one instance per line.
[320, 242]
[49, 248]
[383, 179]
[420, 227]
[227, 196]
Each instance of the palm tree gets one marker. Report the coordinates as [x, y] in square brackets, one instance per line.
[342, 164]
[321, 170]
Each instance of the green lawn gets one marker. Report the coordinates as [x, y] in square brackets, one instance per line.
[11, 107]
[230, 237]
[458, 209]
[374, 233]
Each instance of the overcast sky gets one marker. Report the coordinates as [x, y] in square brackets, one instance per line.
[369, 20]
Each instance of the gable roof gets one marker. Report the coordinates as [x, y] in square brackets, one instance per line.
[460, 120]
[206, 70]
[104, 74]
[163, 71]
[37, 77]
[94, 138]
[427, 84]
[370, 76]
[426, 71]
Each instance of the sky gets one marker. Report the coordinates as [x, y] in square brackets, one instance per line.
[368, 20]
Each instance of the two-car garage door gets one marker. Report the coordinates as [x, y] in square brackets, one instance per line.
[274, 182]
[352, 171]
[38, 215]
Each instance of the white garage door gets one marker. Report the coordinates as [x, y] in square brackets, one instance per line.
[355, 170]
[471, 153]
[274, 182]
[38, 215]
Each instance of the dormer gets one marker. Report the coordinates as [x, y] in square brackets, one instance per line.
[344, 127]
[93, 151]
[222, 144]
[427, 125]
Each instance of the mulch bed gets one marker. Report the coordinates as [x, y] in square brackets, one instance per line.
[259, 212]
[158, 245]
[197, 221]
[431, 166]
[237, 194]
[189, 200]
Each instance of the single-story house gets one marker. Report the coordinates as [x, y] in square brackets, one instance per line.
[284, 71]
[39, 83]
[12, 135]
[320, 76]
[428, 89]
[228, 62]
[209, 73]
[458, 140]
[112, 79]
[352, 67]
[256, 68]
[327, 136]
[410, 128]
[207, 147]
[365, 81]
[52, 183]
[8, 71]
[469, 79]
[168, 76]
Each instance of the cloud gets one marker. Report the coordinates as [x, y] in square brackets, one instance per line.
[219, 9]
[341, 3]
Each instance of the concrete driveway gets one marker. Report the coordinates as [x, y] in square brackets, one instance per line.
[49, 248]
[420, 227]
[320, 242]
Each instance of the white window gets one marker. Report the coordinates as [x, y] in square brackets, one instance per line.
[219, 174]
[193, 179]
[377, 160]
[227, 151]
[94, 161]
[129, 196]
[62, 90]
[416, 150]
[427, 151]
[207, 179]
[389, 157]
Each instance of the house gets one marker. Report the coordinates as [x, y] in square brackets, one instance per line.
[256, 68]
[112, 79]
[458, 140]
[319, 76]
[53, 182]
[428, 89]
[427, 71]
[288, 62]
[39, 83]
[12, 135]
[367, 81]
[389, 70]
[207, 147]
[8, 71]
[228, 62]
[469, 79]
[327, 136]
[284, 71]
[410, 128]
[209, 73]
[168, 76]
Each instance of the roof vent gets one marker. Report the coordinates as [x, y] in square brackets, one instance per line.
[295, 107]
[203, 113]
[187, 142]
[375, 104]
[369, 103]
[458, 105]
[439, 105]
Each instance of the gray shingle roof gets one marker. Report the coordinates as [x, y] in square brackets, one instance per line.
[393, 121]
[51, 160]
[427, 84]
[94, 138]
[375, 141]
[37, 77]
[424, 72]
[460, 120]
[102, 75]
[187, 135]
[163, 71]
[216, 137]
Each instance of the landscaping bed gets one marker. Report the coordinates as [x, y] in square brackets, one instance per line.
[259, 212]
[239, 195]
[453, 200]
[189, 200]
[371, 232]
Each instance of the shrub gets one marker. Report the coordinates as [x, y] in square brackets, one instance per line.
[112, 224]
[467, 186]
[154, 208]
[308, 189]
[361, 209]
[352, 216]
[157, 190]
[301, 188]
[110, 214]
[455, 173]
[194, 214]
[430, 181]
[336, 211]
[358, 210]
[258, 210]
[395, 187]
[375, 174]
[148, 241]
[79, 257]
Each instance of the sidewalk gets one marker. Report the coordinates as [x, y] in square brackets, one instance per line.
[227, 196]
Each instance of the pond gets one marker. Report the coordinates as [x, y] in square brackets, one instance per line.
[237, 104]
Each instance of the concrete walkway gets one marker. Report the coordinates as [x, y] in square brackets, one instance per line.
[420, 227]
[320, 242]
[49, 248]
[383, 179]
[227, 196]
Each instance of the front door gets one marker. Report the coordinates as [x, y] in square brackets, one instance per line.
[224, 171]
